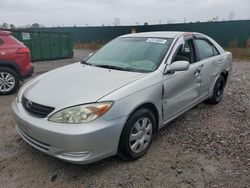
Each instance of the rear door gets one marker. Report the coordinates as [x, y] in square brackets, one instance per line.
[182, 88]
[210, 59]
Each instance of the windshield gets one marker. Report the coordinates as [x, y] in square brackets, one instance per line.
[132, 54]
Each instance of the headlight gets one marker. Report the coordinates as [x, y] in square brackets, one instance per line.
[81, 114]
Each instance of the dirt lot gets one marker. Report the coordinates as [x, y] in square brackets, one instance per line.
[209, 146]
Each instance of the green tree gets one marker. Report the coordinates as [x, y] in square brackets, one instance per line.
[12, 26]
[5, 26]
[35, 25]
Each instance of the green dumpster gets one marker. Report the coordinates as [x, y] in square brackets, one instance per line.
[46, 45]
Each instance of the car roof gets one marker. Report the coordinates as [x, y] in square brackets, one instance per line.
[4, 33]
[160, 34]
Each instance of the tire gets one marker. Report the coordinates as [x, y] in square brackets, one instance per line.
[9, 81]
[218, 91]
[137, 135]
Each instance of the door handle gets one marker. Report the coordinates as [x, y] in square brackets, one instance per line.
[197, 72]
[220, 61]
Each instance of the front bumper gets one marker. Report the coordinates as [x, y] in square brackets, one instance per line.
[80, 144]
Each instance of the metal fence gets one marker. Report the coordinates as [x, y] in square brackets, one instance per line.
[226, 33]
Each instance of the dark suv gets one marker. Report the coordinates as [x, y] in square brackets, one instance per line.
[15, 63]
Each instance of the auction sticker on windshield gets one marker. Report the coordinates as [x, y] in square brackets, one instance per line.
[159, 41]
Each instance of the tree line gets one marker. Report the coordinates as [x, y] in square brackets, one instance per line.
[12, 26]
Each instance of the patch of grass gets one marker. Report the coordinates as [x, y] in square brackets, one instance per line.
[233, 43]
[240, 53]
[248, 43]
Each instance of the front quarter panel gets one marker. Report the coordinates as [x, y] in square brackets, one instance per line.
[132, 96]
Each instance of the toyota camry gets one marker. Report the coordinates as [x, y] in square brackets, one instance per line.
[113, 102]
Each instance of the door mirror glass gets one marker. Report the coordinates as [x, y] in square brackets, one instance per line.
[177, 66]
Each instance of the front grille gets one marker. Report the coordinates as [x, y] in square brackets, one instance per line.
[35, 109]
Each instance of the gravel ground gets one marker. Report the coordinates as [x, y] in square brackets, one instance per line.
[209, 146]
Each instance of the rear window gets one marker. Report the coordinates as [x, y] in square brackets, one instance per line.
[10, 41]
[14, 40]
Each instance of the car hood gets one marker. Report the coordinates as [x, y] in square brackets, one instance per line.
[77, 84]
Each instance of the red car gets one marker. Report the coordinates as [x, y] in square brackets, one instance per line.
[15, 63]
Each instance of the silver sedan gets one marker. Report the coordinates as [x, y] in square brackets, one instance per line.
[118, 98]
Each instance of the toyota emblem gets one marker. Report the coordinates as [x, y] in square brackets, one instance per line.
[28, 104]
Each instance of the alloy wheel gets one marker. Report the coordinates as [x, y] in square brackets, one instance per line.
[7, 82]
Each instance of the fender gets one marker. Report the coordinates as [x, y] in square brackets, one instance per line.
[11, 65]
[222, 72]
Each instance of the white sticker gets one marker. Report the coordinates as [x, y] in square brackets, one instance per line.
[25, 36]
[159, 41]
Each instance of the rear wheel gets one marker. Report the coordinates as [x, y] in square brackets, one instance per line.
[218, 90]
[9, 81]
[137, 135]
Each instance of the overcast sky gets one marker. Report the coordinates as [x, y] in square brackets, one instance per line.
[96, 12]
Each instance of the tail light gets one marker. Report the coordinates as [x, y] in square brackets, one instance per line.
[23, 50]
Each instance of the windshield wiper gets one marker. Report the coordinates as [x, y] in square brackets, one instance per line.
[84, 62]
[122, 68]
[110, 67]
[115, 67]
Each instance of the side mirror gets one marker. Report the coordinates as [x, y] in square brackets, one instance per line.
[177, 66]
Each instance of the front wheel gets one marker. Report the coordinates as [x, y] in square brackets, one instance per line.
[9, 81]
[218, 90]
[136, 137]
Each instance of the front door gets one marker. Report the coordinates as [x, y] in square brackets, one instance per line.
[182, 88]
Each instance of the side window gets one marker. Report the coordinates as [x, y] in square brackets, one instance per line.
[185, 52]
[216, 52]
[205, 49]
